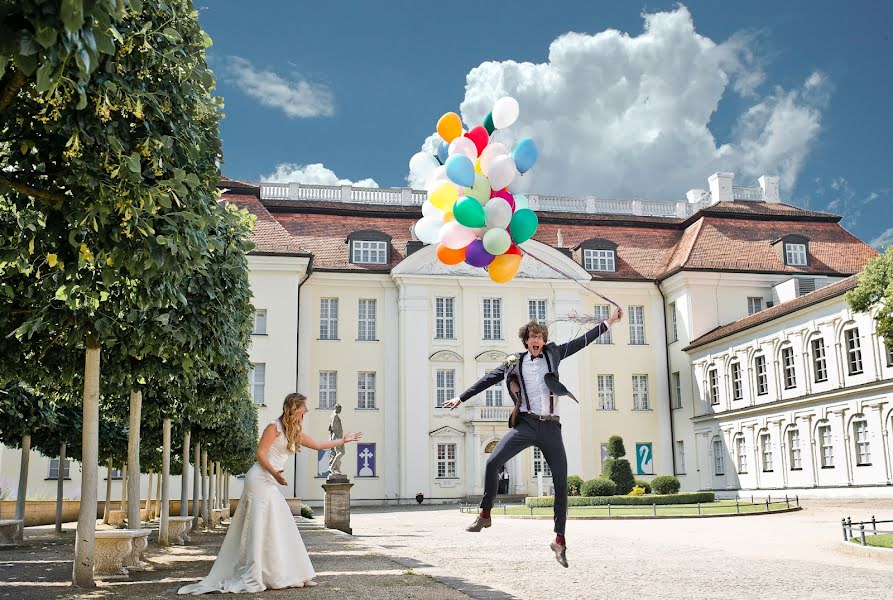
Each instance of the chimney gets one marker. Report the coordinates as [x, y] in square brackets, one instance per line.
[721, 187]
[769, 183]
[695, 195]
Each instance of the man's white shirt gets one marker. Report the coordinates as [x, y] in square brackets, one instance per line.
[534, 370]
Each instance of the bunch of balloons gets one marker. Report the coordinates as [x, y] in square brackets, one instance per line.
[469, 213]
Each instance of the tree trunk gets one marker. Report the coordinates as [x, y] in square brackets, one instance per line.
[123, 506]
[212, 481]
[226, 476]
[23, 484]
[149, 489]
[108, 491]
[156, 510]
[184, 478]
[206, 514]
[82, 571]
[59, 486]
[165, 482]
[219, 486]
[133, 460]
[196, 487]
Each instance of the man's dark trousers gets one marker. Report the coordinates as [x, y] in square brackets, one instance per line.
[545, 435]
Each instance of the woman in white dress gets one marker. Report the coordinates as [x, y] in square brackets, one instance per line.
[263, 548]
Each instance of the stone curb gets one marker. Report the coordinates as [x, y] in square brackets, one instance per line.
[881, 554]
[643, 517]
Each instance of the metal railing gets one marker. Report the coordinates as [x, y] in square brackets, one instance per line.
[849, 525]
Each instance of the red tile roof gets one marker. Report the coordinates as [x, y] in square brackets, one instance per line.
[269, 236]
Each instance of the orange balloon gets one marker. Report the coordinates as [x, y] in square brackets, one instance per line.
[504, 267]
[448, 256]
[449, 126]
[448, 216]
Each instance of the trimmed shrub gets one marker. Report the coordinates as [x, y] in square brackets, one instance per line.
[306, 511]
[600, 486]
[646, 485]
[574, 485]
[684, 498]
[620, 472]
[615, 447]
[637, 491]
[665, 484]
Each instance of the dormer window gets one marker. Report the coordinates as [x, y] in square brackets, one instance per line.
[793, 250]
[599, 255]
[369, 247]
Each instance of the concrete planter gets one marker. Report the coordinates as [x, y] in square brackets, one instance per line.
[295, 505]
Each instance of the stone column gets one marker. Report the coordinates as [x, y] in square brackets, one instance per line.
[883, 435]
[389, 468]
[337, 505]
[845, 436]
[416, 390]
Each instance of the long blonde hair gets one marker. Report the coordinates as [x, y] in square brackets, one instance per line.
[291, 420]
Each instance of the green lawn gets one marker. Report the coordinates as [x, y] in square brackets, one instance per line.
[882, 540]
[722, 507]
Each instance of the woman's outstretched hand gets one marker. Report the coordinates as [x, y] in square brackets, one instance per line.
[352, 437]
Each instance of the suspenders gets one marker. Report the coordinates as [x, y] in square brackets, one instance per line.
[524, 388]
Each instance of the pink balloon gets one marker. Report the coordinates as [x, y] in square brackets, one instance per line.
[454, 235]
[505, 195]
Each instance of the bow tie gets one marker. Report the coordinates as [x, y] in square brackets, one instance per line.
[535, 357]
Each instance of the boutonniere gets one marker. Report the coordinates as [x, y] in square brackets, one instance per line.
[512, 360]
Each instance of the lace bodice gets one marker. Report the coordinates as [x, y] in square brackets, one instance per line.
[278, 453]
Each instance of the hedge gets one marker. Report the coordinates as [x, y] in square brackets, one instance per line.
[600, 486]
[684, 498]
[665, 484]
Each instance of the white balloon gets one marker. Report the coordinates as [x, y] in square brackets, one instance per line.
[502, 172]
[521, 201]
[505, 112]
[429, 210]
[463, 145]
[498, 212]
[493, 150]
[427, 229]
[423, 164]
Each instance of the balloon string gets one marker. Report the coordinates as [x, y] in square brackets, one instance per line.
[570, 277]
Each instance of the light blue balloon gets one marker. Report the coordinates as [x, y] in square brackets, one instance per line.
[525, 154]
[460, 170]
[443, 152]
[521, 201]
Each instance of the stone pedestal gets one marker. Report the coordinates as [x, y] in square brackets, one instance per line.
[337, 504]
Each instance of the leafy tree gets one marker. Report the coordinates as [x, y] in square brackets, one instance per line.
[616, 468]
[616, 449]
[875, 289]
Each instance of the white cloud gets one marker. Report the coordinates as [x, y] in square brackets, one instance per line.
[315, 173]
[883, 240]
[295, 96]
[620, 115]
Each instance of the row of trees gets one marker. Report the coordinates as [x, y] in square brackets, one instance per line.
[114, 249]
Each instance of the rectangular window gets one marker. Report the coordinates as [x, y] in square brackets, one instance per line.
[889, 347]
[606, 392]
[680, 457]
[445, 386]
[54, 469]
[257, 376]
[863, 450]
[827, 446]
[737, 387]
[446, 461]
[674, 331]
[677, 390]
[766, 446]
[795, 254]
[713, 385]
[598, 260]
[370, 252]
[328, 319]
[762, 379]
[444, 318]
[853, 351]
[536, 310]
[754, 304]
[718, 467]
[328, 389]
[790, 373]
[366, 389]
[819, 365]
[366, 320]
[741, 451]
[794, 445]
[493, 396]
[603, 313]
[492, 313]
[260, 322]
[539, 464]
[637, 325]
[640, 392]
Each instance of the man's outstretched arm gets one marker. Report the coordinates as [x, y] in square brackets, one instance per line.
[491, 378]
[577, 344]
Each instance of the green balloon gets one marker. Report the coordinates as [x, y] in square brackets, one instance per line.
[469, 212]
[488, 123]
[523, 225]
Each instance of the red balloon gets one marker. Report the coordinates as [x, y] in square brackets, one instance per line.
[505, 195]
[479, 136]
[513, 249]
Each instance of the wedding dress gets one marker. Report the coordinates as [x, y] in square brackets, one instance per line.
[263, 548]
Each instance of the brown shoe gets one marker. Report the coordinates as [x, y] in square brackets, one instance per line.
[560, 553]
[479, 523]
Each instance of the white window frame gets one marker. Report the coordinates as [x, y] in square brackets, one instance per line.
[853, 351]
[680, 457]
[493, 396]
[366, 319]
[761, 374]
[863, 444]
[257, 378]
[676, 378]
[491, 318]
[788, 369]
[444, 318]
[537, 310]
[795, 254]
[754, 304]
[54, 469]
[737, 382]
[826, 443]
[605, 387]
[637, 326]
[674, 329]
[602, 312]
[369, 252]
[640, 392]
[819, 360]
[741, 451]
[446, 462]
[366, 382]
[328, 389]
[539, 464]
[718, 463]
[599, 260]
[794, 449]
[766, 452]
[713, 385]
[259, 327]
[444, 386]
[328, 318]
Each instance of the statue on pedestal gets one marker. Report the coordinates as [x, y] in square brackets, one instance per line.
[336, 432]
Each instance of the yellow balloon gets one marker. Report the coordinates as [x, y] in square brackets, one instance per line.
[480, 191]
[444, 197]
[448, 216]
[449, 127]
[477, 166]
[504, 267]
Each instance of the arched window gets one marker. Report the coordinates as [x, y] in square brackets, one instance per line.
[789, 372]
[741, 452]
[766, 451]
[796, 459]
[860, 436]
[713, 384]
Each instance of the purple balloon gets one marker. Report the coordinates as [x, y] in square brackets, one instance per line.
[476, 256]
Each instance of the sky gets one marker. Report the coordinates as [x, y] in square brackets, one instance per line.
[624, 99]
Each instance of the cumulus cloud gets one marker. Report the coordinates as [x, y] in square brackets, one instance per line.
[881, 242]
[294, 95]
[620, 115]
[315, 173]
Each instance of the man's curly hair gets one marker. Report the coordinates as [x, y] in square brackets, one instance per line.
[533, 328]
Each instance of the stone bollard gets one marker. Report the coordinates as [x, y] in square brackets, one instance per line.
[337, 504]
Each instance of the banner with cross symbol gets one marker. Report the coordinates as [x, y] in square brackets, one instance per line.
[365, 460]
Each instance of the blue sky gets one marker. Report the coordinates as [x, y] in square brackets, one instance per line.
[625, 99]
